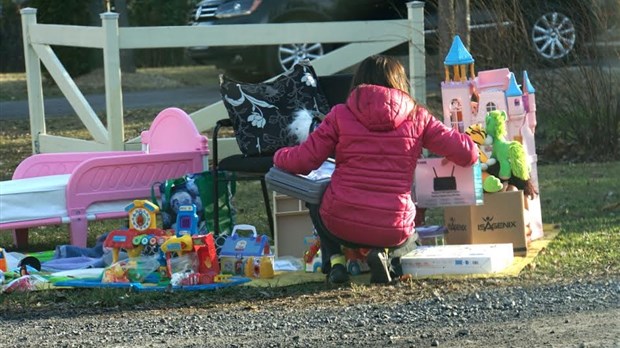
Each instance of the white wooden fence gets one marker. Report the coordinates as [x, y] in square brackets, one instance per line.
[365, 38]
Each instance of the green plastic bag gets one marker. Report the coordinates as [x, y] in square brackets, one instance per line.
[197, 189]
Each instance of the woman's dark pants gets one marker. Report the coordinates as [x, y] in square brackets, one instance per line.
[331, 245]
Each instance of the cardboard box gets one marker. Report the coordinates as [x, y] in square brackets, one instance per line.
[533, 205]
[292, 224]
[534, 218]
[442, 185]
[499, 220]
[457, 259]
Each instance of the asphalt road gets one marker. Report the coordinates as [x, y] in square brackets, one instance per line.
[162, 98]
[59, 106]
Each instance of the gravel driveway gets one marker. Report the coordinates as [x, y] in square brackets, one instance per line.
[479, 313]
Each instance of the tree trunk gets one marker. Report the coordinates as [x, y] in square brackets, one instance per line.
[462, 20]
[128, 63]
[446, 29]
[95, 9]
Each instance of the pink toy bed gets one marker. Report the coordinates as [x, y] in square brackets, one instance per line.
[74, 188]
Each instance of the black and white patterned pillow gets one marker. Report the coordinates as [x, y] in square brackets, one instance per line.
[261, 112]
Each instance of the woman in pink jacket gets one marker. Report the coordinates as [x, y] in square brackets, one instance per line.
[377, 137]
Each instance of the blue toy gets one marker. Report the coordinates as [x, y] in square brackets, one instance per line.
[187, 220]
[237, 249]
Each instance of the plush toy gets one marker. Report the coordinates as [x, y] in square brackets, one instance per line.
[512, 159]
[304, 122]
[478, 134]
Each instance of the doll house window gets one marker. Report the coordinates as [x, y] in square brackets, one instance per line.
[456, 114]
[517, 102]
[491, 106]
[526, 103]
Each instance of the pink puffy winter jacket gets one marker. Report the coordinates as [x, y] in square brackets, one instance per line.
[377, 137]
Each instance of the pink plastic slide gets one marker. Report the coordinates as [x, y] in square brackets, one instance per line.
[98, 185]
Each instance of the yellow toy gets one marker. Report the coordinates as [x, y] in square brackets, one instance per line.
[258, 267]
[478, 134]
[222, 278]
[142, 222]
[116, 273]
[142, 215]
[178, 245]
[249, 269]
[266, 268]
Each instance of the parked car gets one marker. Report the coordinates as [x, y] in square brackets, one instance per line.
[558, 29]
[554, 28]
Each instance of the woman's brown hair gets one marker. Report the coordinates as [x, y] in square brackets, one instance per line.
[381, 70]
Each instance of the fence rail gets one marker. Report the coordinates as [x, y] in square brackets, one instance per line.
[363, 38]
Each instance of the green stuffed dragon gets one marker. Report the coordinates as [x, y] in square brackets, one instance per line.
[510, 155]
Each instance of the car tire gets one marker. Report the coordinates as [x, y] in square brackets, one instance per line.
[282, 57]
[556, 32]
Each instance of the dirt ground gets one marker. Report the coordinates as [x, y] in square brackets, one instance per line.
[578, 313]
[589, 329]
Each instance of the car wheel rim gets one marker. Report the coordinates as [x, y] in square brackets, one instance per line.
[289, 55]
[553, 35]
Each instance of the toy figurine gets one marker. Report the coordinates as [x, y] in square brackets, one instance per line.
[249, 269]
[311, 256]
[266, 268]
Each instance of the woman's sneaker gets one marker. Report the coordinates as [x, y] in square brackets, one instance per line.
[379, 264]
[338, 274]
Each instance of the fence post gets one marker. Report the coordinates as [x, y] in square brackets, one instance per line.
[112, 77]
[34, 82]
[417, 51]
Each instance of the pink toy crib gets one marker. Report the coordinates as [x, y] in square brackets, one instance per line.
[74, 188]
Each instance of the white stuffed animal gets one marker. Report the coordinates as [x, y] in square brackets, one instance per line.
[304, 122]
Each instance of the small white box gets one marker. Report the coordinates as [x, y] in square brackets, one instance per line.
[458, 259]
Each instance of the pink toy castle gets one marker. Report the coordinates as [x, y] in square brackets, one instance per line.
[466, 99]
